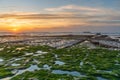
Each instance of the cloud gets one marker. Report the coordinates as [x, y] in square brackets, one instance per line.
[46, 16]
[72, 7]
[83, 10]
[69, 12]
[64, 16]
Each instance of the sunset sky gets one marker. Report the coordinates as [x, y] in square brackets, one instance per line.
[60, 15]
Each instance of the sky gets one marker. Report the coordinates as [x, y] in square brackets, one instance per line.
[60, 15]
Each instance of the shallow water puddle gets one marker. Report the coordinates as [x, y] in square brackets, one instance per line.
[1, 60]
[38, 53]
[81, 63]
[73, 73]
[59, 62]
[100, 78]
[27, 54]
[31, 68]
[47, 67]
[41, 52]
[17, 72]
[14, 64]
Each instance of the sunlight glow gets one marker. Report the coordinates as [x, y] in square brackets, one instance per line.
[14, 30]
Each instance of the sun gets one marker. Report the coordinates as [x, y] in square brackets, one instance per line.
[15, 30]
[15, 26]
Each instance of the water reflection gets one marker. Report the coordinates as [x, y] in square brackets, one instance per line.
[73, 73]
